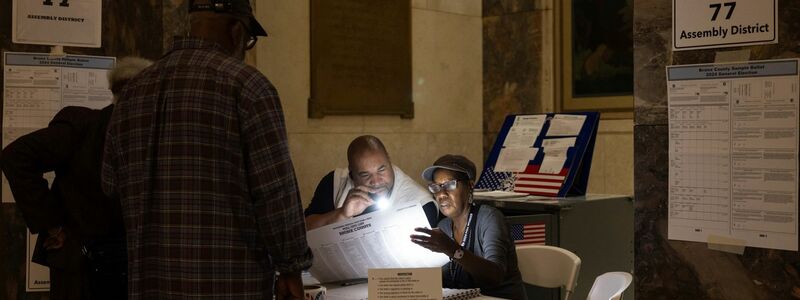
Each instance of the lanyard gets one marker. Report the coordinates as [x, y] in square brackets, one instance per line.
[453, 269]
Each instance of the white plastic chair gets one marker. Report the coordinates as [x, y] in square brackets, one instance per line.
[549, 267]
[610, 286]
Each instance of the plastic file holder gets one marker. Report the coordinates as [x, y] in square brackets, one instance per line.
[539, 177]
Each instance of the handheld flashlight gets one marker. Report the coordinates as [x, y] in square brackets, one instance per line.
[381, 201]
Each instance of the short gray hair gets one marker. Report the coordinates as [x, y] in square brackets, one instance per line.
[126, 69]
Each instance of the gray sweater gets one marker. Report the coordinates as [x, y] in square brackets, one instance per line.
[488, 238]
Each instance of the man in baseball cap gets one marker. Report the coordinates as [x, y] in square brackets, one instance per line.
[238, 8]
[198, 152]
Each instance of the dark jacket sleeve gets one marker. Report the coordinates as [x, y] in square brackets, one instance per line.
[432, 214]
[323, 201]
[271, 178]
[27, 159]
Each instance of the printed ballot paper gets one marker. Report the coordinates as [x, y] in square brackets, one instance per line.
[347, 249]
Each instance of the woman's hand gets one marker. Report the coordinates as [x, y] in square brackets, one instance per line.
[435, 240]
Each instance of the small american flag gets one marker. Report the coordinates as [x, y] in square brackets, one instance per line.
[532, 233]
[492, 180]
[529, 181]
[532, 182]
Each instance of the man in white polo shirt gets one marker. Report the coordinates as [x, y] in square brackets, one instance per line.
[369, 183]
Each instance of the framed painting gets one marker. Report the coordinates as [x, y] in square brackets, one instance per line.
[597, 56]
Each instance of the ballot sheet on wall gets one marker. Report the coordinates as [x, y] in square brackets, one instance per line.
[348, 249]
[733, 153]
[36, 86]
[57, 22]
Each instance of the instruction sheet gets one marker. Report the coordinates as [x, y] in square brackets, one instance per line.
[733, 157]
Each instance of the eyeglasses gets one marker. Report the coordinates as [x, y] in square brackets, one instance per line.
[251, 39]
[449, 186]
[251, 42]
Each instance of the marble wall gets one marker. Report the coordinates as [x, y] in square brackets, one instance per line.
[512, 63]
[668, 269]
[129, 28]
[446, 74]
[518, 70]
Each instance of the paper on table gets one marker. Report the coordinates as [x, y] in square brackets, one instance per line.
[347, 249]
[554, 160]
[514, 159]
[499, 194]
[308, 279]
[408, 283]
[352, 292]
[558, 143]
[566, 125]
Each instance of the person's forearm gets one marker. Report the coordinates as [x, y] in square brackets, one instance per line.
[319, 220]
[24, 165]
[481, 269]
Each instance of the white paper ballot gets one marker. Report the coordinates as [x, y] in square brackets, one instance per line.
[514, 159]
[524, 131]
[347, 249]
[566, 125]
[554, 160]
[558, 143]
[416, 283]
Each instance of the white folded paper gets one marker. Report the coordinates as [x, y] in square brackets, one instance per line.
[347, 249]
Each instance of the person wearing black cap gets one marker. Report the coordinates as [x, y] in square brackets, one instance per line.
[475, 237]
[197, 152]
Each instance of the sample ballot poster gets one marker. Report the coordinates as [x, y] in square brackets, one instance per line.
[733, 159]
[35, 87]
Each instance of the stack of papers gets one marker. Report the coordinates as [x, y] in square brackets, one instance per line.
[499, 194]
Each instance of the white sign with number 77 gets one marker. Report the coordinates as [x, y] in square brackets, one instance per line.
[703, 24]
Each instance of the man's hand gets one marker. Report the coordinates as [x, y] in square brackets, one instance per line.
[55, 239]
[357, 201]
[289, 286]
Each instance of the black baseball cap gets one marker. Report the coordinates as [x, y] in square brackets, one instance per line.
[451, 162]
[238, 8]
